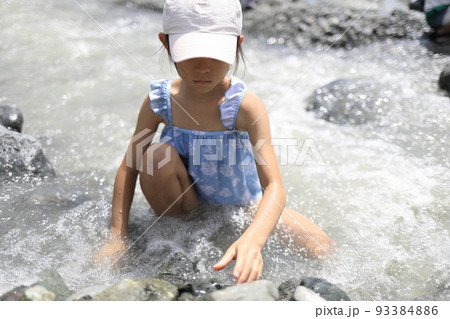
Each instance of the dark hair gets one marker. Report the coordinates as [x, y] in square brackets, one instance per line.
[240, 55]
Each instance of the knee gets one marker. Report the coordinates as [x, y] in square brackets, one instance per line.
[157, 157]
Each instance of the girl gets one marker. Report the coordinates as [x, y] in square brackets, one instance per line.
[215, 146]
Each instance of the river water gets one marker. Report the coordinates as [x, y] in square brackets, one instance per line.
[79, 72]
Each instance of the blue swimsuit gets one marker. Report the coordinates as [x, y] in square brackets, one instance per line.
[222, 161]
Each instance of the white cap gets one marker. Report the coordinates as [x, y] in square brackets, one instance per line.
[202, 28]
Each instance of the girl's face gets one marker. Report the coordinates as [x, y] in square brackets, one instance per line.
[202, 74]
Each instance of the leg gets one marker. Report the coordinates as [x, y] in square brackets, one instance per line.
[304, 234]
[164, 179]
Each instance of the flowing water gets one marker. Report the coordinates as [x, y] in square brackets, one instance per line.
[381, 190]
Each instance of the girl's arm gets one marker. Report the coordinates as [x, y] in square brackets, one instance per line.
[125, 181]
[247, 249]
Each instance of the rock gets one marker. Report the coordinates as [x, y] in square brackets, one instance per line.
[444, 79]
[52, 281]
[350, 101]
[261, 290]
[304, 294]
[88, 293]
[155, 5]
[37, 293]
[326, 290]
[11, 117]
[178, 270]
[139, 290]
[199, 288]
[14, 294]
[303, 24]
[21, 154]
[417, 5]
[287, 289]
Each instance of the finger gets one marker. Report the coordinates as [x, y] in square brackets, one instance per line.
[226, 259]
[246, 268]
[239, 268]
[256, 271]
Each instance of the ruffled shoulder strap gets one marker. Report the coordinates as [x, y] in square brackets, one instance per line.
[229, 108]
[160, 99]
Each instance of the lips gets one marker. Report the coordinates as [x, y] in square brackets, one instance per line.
[202, 82]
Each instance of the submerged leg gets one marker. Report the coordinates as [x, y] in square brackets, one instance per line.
[165, 181]
[304, 234]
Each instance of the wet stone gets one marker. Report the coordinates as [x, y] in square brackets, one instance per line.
[88, 293]
[14, 294]
[139, 290]
[11, 117]
[325, 289]
[52, 281]
[350, 101]
[199, 288]
[261, 290]
[287, 289]
[37, 293]
[178, 270]
[304, 294]
[21, 154]
[444, 78]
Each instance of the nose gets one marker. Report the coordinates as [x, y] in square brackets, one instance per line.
[202, 65]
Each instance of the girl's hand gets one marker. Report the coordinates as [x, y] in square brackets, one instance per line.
[112, 250]
[249, 262]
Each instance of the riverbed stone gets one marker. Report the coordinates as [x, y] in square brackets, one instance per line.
[52, 281]
[325, 289]
[198, 289]
[178, 270]
[14, 294]
[261, 290]
[151, 289]
[37, 293]
[350, 101]
[11, 117]
[332, 24]
[304, 294]
[21, 154]
[155, 5]
[88, 293]
[444, 78]
[287, 288]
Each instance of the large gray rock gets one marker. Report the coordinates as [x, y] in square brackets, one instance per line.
[325, 289]
[139, 290]
[178, 270]
[51, 280]
[444, 78]
[350, 101]
[21, 154]
[11, 117]
[261, 290]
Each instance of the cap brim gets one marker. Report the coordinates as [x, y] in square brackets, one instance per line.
[187, 46]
